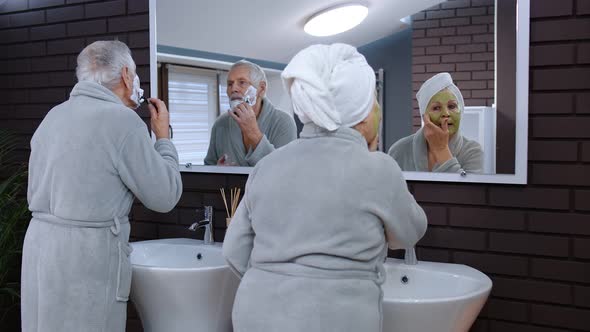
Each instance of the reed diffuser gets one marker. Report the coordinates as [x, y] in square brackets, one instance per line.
[234, 200]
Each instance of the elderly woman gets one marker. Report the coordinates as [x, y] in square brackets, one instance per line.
[439, 146]
[310, 236]
[90, 157]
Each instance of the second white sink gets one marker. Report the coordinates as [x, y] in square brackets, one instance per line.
[431, 296]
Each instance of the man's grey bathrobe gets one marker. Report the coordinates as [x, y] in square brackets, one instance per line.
[411, 153]
[309, 236]
[89, 157]
[277, 127]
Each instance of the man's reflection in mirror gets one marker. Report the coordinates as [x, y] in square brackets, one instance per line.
[252, 127]
[439, 146]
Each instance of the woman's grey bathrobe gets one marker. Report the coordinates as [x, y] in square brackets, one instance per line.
[278, 128]
[309, 236]
[411, 153]
[89, 157]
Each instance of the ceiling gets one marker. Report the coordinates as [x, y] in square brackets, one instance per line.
[270, 30]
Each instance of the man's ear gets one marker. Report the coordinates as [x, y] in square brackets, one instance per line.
[126, 78]
[262, 88]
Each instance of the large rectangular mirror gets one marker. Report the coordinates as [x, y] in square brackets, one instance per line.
[482, 44]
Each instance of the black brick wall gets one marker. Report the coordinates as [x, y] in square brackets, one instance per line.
[533, 240]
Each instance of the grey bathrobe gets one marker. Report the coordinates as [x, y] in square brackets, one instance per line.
[89, 157]
[411, 153]
[277, 127]
[311, 233]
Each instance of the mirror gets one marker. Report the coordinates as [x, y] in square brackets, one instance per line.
[483, 44]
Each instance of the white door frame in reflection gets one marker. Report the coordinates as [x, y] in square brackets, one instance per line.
[521, 117]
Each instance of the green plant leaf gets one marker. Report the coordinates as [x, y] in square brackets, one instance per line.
[14, 216]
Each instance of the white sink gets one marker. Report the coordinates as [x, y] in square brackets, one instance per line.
[432, 297]
[182, 285]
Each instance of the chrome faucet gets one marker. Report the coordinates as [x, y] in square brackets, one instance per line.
[410, 256]
[207, 223]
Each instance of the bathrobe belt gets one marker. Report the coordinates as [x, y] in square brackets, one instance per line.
[298, 270]
[114, 224]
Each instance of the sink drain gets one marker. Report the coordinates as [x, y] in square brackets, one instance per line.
[405, 280]
[199, 256]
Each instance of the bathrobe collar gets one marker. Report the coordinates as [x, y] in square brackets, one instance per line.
[420, 148]
[311, 130]
[95, 90]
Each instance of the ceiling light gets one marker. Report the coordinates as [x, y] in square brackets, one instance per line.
[406, 20]
[335, 20]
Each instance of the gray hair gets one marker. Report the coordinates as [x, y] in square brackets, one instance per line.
[102, 61]
[257, 75]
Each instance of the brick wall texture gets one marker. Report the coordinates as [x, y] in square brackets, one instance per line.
[532, 240]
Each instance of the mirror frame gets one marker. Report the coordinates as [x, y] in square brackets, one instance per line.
[521, 125]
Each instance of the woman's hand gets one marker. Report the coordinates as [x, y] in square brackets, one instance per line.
[437, 139]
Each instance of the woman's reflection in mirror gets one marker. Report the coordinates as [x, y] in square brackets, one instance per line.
[439, 146]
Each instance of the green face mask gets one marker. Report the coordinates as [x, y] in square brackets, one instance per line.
[445, 103]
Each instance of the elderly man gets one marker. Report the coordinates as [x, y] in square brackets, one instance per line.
[253, 127]
[90, 157]
[319, 235]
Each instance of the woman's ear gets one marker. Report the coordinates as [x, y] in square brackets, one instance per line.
[367, 118]
[363, 126]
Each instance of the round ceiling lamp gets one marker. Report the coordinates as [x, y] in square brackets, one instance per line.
[335, 20]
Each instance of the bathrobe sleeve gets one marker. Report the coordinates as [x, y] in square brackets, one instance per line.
[150, 171]
[450, 166]
[401, 151]
[404, 220]
[285, 132]
[239, 238]
[212, 157]
[470, 159]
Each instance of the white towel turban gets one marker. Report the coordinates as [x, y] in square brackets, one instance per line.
[435, 84]
[330, 85]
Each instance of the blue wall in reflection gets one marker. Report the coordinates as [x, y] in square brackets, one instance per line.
[394, 54]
